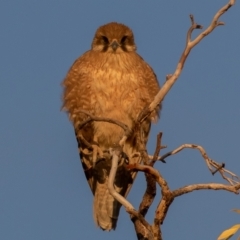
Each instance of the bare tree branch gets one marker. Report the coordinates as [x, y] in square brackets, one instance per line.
[157, 150]
[193, 146]
[115, 158]
[128, 206]
[189, 46]
[168, 195]
[205, 186]
[212, 165]
[139, 216]
[91, 118]
[102, 119]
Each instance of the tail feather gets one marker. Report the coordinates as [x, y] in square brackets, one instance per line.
[105, 208]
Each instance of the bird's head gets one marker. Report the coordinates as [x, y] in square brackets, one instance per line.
[113, 37]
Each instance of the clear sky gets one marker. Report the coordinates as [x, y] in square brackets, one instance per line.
[43, 191]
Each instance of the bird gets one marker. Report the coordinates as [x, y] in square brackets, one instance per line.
[111, 80]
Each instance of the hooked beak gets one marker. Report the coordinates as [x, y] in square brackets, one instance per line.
[114, 45]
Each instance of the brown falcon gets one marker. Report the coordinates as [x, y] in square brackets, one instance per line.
[111, 80]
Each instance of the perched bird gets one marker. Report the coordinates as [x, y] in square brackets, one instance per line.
[110, 80]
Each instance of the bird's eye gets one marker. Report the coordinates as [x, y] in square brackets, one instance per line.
[105, 39]
[123, 40]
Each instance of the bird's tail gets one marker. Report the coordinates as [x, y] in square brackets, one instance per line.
[105, 208]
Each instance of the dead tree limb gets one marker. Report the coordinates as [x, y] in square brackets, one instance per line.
[213, 166]
[103, 119]
[172, 78]
[115, 158]
[204, 186]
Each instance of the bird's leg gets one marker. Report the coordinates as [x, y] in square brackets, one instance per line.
[93, 149]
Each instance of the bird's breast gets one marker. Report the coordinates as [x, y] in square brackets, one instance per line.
[114, 90]
[115, 95]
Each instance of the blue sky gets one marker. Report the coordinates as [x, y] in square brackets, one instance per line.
[43, 191]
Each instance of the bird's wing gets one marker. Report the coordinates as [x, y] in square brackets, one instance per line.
[75, 98]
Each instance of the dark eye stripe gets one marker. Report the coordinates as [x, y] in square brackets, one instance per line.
[105, 39]
[124, 38]
[124, 48]
[105, 48]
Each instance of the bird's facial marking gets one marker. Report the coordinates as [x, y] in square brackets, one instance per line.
[105, 43]
[114, 38]
[105, 40]
[123, 40]
[127, 43]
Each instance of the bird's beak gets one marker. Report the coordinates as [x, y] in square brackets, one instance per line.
[114, 45]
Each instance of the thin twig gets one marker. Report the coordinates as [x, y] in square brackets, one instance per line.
[150, 192]
[103, 119]
[91, 118]
[128, 206]
[205, 186]
[213, 166]
[157, 150]
[194, 26]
